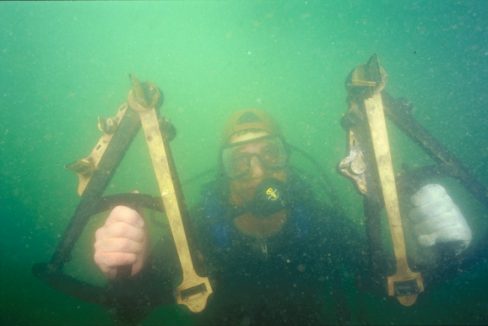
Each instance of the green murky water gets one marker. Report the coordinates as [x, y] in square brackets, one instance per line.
[63, 64]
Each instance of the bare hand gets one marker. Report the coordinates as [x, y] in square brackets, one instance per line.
[121, 241]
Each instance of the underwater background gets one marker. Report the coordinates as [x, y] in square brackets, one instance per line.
[63, 64]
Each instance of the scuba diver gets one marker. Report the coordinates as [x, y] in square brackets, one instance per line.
[274, 253]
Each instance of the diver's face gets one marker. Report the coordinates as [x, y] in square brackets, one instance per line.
[251, 158]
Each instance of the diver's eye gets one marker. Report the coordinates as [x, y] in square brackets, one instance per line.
[270, 154]
[240, 162]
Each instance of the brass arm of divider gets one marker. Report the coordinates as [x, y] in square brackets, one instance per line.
[194, 290]
[404, 284]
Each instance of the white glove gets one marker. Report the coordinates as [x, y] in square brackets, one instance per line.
[436, 219]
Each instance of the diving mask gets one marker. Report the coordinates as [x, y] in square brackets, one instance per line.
[269, 150]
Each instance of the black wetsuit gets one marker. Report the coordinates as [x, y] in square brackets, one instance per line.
[290, 278]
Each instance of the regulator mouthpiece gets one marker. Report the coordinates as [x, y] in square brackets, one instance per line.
[269, 198]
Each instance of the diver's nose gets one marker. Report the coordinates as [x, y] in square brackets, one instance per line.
[256, 167]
